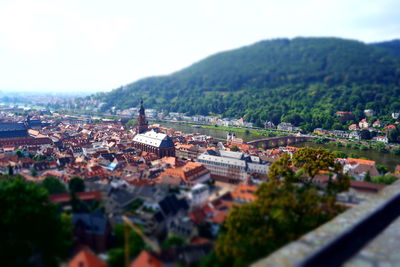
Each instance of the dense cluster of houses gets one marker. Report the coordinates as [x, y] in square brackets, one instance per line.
[187, 194]
[376, 128]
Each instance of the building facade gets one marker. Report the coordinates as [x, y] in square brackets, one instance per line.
[151, 141]
[232, 167]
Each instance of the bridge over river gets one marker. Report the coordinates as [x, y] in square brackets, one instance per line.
[280, 141]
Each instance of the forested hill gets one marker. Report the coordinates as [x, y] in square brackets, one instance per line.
[272, 80]
[392, 46]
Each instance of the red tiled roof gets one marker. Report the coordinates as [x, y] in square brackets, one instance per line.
[86, 258]
[360, 161]
[199, 240]
[366, 186]
[146, 259]
[65, 197]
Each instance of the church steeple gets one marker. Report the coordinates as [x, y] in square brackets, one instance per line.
[142, 125]
[141, 109]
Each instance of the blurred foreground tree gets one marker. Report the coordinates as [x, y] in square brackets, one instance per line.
[33, 234]
[287, 206]
[76, 184]
[53, 185]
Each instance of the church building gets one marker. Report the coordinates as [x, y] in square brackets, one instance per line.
[151, 141]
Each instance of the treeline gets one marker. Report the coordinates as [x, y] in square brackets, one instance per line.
[303, 81]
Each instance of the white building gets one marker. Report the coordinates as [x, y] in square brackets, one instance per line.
[199, 194]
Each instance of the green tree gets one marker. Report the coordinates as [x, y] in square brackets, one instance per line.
[19, 154]
[10, 170]
[365, 135]
[283, 210]
[131, 123]
[76, 184]
[367, 177]
[173, 241]
[393, 136]
[382, 169]
[235, 148]
[36, 235]
[53, 185]
[136, 245]
[384, 179]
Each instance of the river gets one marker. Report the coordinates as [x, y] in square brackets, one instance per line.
[385, 159]
[215, 133]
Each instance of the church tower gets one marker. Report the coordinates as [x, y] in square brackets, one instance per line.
[142, 125]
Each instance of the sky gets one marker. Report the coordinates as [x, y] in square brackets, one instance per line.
[95, 45]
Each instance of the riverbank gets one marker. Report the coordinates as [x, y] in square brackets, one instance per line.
[386, 159]
[351, 148]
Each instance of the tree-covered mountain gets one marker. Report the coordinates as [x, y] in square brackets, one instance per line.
[302, 80]
[392, 46]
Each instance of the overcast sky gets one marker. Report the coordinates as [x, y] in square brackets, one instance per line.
[95, 45]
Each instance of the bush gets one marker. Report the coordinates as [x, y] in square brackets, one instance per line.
[384, 179]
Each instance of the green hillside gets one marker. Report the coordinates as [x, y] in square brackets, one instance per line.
[392, 46]
[303, 80]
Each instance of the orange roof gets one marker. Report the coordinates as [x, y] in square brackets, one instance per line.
[169, 160]
[244, 191]
[390, 126]
[86, 258]
[145, 259]
[188, 146]
[199, 240]
[220, 217]
[65, 197]
[360, 161]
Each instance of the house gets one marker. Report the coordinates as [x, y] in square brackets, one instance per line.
[340, 133]
[320, 131]
[383, 139]
[269, 125]
[390, 127]
[353, 127]
[369, 112]
[397, 171]
[188, 151]
[358, 168]
[244, 193]
[355, 135]
[363, 124]
[343, 113]
[86, 258]
[199, 194]
[377, 124]
[286, 126]
[191, 173]
[366, 187]
[232, 167]
[92, 229]
[395, 115]
[146, 259]
[119, 199]
[182, 226]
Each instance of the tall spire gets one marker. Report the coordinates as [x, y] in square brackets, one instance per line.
[141, 109]
[142, 125]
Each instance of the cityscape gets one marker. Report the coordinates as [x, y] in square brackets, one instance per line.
[251, 146]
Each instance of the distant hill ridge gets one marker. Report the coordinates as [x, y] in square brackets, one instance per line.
[275, 79]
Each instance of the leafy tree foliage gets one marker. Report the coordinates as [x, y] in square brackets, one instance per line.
[286, 207]
[76, 184]
[136, 245]
[384, 179]
[173, 241]
[131, 123]
[235, 148]
[33, 233]
[303, 81]
[53, 185]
